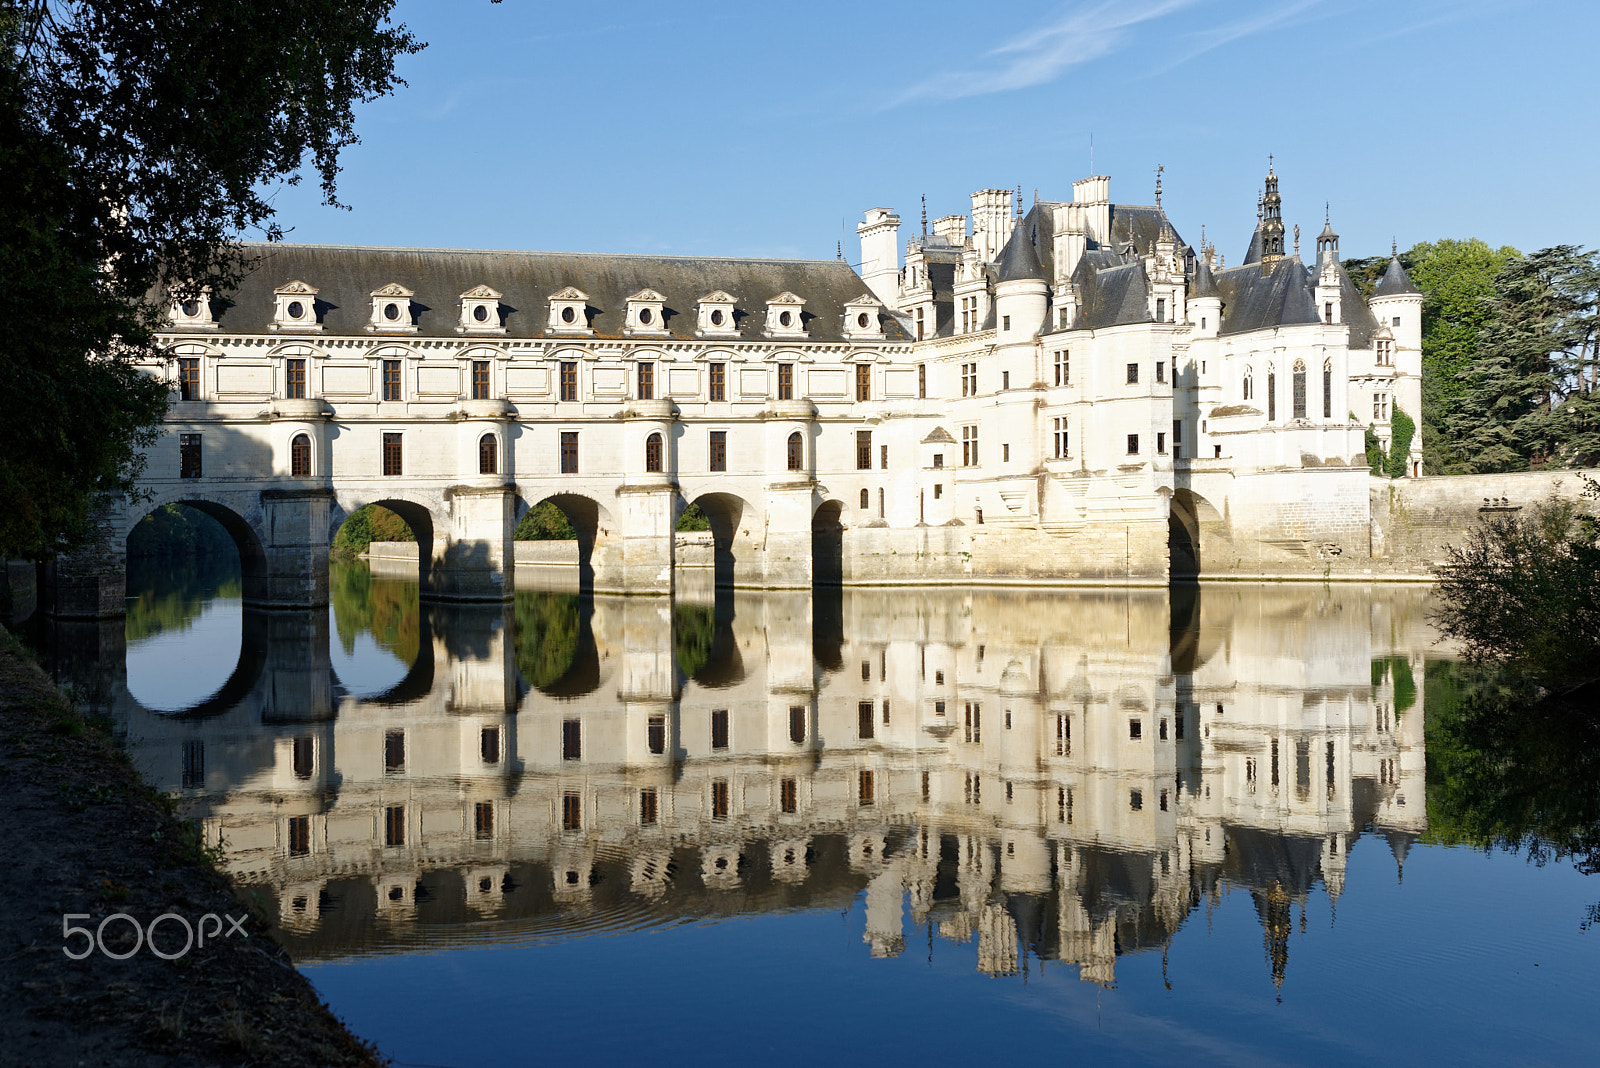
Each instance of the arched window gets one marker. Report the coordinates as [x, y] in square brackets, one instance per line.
[797, 452]
[488, 455]
[300, 456]
[1327, 390]
[1272, 395]
[866, 500]
[1299, 387]
[652, 453]
[1249, 385]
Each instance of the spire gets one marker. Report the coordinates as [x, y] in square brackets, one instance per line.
[1019, 200]
[1271, 220]
[1160, 167]
[924, 215]
[1020, 260]
[1327, 241]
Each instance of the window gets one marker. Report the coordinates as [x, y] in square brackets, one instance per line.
[480, 379]
[1005, 322]
[391, 380]
[294, 379]
[880, 502]
[394, 752]
[1063, 318]
[1327, 312]
[719, 728]
[788, 795]
[1177, 726]
[863, 381]
[1005, 452]
[969, 380]
[719, 799]
[483, 820]
[1327, 391]
[969, 314]
[1058, 437]
[866, 788]
[652, 453]
[938, 490]
[189, 456]
[489, 745]
[969, 446]
[866, 500]
[1297, 390]
[1133, 374]
[569, 452]
[1133, 444]
[1161, 371]
[194, 764]
[1005, 379]
[786, 381]
[1063, 805]
[1177, 439]
[656, 734]
[299, 836]
[1249, 390]
[717, 451]
[1063, 736]
[189, 378]
[864, 720]
[863, 451]
[883, 457]
[488, 455]
[571, 812]
[569, 380]
[797, 724]
[300, 456]
[1136, 800]
[921, 333]
[571, 739]
[1161, 314]
[974, 723]
[646, 379]
[797, 452]
[1385, 352]
[1161, 443]
[394, 825]
[648, 807]
[719, 381]
[1272, 396]
[305, 756]
[393, 454]
[1063, 369]
[1161, 730]
[938, 461]
[922, 381]
[1380, 406]
[1135, 730]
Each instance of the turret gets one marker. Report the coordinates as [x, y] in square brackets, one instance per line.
[1330, 288]
[1271, 221]
[1021, 295]
[880, 254]
[1205, 302]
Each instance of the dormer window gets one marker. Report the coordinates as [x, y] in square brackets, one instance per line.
[569, 312]
[193, 313]
[646, 313]
[784, 318]
[716, 318]
[391, 310]
[480, 312]
[295, 307]
[861, 317]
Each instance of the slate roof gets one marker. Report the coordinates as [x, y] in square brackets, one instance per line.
[1019, 260]
[1136, 224]
[346, 275]
[1205, 283]
[1395, 282]
[1113, 296]
[1259, 298]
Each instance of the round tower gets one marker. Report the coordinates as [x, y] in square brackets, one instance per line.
[1021, 294]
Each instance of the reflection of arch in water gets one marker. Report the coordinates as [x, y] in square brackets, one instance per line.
[827, 544]
[1194, 527]
[703, 643]
[555, 648]
[1184, 630]
[246, 538]
[598, 545]
[735, 532]
[254, 646]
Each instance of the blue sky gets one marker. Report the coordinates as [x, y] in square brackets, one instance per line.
[703, 128]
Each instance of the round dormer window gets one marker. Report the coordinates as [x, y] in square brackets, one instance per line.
[191, 308]
[716, 317]
[391, 311]
[862, 320]
[480, 314]
[295, 309]
[645, 315]
[568, 315]
[785, 318]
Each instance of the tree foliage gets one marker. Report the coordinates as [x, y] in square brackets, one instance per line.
[545, 522]
[139, 140]
[367, 525]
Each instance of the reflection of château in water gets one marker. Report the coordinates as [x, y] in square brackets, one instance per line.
[1067, 776]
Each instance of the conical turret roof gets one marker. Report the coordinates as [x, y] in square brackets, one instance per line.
[1395, 282]
[1205, 285]
[1020, 260]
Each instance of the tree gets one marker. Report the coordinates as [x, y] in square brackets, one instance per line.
[140, 140]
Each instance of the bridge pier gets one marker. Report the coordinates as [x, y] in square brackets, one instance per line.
[297, 676]
[648, 548]
[293, 571]
[785, 558]
[91, 582]
[473, 558]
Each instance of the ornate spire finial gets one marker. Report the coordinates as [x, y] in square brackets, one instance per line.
[1394, 248]
[1019, 200]
[924, 215]
[1327, 215]
[1297, 239]
[840, 252]
[1160, 167]
[1269, 162]
[1259, 199]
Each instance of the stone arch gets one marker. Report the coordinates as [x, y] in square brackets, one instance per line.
[827, 544]
[735, 533]
[242, 521]
[1194, 529]
[598, 544]
[422, 518]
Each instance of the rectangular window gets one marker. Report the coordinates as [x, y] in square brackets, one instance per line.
[394, 752]
[719, 381]
[305, 756]
[571, 739]
[1380, 406]
[1133, 444]
[1005, 322]
[393, 454]
[189, 378]
[1327, 393]
[394, 825]
[489, 745]
[969, 446]
[648, 807]
[717, 451]
[1005, 452]
[863, 381]
[863, 450]
[294, 379]
[646, 380]
[571, 812]
[1133, 374]
[189, 456]
[1063, 736]
[1177, 439]
[483, 820]
[1058, 437]
[719, 799]
[656, 734]
[1063, 368]
[569, 452]
[786, 381]
[1272, 396]
[864, 720]
[569, 380]
[719, 728]
[974, 723]
[1161, 442]
[480, 379]
[788, 796]
[797, 724]
[921, 332]
[1063, 805]
[1136, 799]
[1177, 726]
[194, 765]
[1161, 312]
[969, 380]
[1327, 312]
[1135, 730]
[299, 836]
[1161, 371]
[938, 490]
[391, 380]
[1063, 318]
[866, 788]
[1005, 380]
[922, 381]
[883, 457]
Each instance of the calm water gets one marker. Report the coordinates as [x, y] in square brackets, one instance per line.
[1246, 825]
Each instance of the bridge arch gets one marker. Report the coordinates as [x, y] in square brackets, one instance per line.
[422, 517]
[736, 532]
[827, 544]
[1195, 530]
[240, 516]
[599, 548]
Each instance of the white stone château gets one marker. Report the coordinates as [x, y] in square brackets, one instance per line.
[1072, 395]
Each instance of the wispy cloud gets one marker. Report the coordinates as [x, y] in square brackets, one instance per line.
[1270, 17]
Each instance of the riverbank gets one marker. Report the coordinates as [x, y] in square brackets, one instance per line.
[88, 839]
